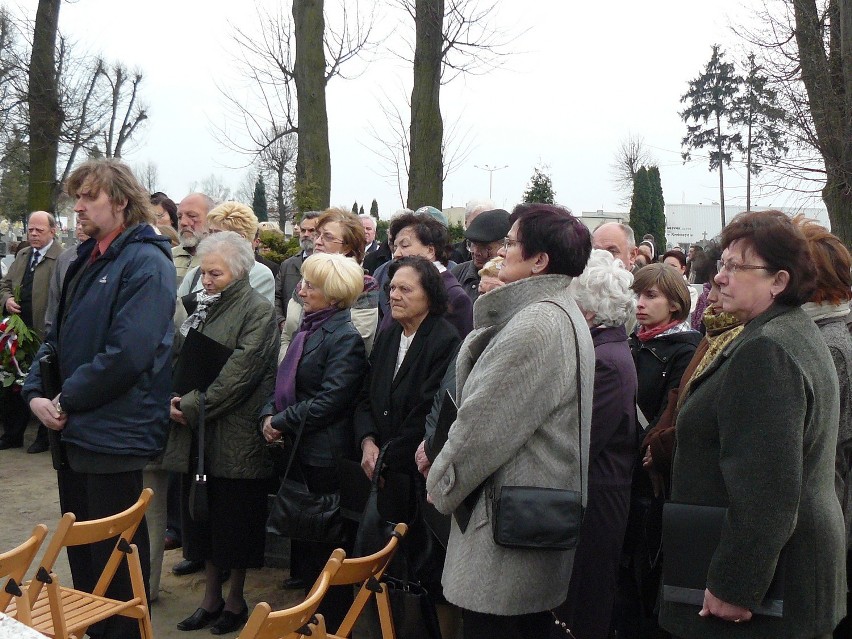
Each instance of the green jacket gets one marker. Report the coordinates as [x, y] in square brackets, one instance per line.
[757, 434]
[244, 321]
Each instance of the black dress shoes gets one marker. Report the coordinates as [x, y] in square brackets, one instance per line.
[38, 446]
[200, 618]
[187, 567]
[230, 621]
[5, 444]
[294, 583]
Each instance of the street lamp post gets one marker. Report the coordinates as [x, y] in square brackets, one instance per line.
[490, 169]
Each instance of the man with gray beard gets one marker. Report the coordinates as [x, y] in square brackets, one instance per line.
[192, 228]
[290, 271]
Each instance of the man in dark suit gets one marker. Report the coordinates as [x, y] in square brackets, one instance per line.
[369, 224]
[290, 271]
[24, 291]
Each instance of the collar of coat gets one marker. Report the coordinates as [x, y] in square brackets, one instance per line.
[500, 305]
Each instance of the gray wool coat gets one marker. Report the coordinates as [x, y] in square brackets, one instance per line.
[518, 424]
[757, 435]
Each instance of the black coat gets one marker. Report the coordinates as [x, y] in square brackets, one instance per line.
[374, 259]
[660, 364]
[395, 408]
[331, 373]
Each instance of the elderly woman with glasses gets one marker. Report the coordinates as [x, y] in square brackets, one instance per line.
[520, 422]
[757, 436]
[423, 235]
[339, 232]
[317, 383]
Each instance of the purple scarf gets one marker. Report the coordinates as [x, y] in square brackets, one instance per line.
[285, 380]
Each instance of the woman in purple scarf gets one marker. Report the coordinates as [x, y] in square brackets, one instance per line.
[318, 381]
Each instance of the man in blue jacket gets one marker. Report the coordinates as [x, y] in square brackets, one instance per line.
[113, 333]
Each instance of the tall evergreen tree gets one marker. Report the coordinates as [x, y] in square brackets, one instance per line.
[355, 208]
[657, 217]
[711, 101]
[374, 209]
[540, 188]
[640, 206]
[361, 210]
[757, 111]
[258, 203]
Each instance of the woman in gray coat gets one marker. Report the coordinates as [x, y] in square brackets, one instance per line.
[756, 435]
[520, 422]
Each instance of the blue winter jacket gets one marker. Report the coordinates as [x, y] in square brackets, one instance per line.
[114, 335]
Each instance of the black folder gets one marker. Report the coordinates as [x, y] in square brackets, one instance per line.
[691, 535]
[200, 361]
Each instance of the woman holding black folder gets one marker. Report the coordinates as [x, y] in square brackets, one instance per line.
[756, 439]
[230, 314]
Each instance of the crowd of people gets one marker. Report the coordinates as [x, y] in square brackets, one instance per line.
[718, 378]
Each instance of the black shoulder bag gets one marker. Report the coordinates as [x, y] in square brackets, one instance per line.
[535, 518]
[298, 513]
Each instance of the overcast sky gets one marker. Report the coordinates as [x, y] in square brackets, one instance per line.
[583, 77]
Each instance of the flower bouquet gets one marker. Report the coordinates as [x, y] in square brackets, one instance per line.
[18, 346]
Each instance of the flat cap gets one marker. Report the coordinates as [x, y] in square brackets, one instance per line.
[489, 226]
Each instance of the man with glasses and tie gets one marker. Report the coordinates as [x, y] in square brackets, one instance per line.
[24, 291]
[484, 238]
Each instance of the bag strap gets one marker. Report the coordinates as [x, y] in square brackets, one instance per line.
[579, 392]
[297, 440]
[199, 475]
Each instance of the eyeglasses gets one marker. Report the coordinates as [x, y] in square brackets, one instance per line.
[305, 284]
[327, 238]
[488, 249]
[508, 243]
[733, 267]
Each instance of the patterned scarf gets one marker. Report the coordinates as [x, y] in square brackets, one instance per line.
[198, 316]
[647, 334]
[722, 329]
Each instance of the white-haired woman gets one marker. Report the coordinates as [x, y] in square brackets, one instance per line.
[317, 384]
[237, 464]
[604, 296]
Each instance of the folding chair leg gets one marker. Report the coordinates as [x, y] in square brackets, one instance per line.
[60, 630]
[385, 616]
[24, 610]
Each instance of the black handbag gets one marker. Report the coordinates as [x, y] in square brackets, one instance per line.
[537, 518]
[375, 528]
[412, 609]
[298, 513]
[199, 506]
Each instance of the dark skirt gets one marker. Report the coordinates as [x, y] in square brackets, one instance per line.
[234, 536]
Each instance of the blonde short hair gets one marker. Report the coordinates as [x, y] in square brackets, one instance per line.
[491, 268]
[234, 216]
[340, 278]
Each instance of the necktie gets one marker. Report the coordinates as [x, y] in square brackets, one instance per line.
[36, 257]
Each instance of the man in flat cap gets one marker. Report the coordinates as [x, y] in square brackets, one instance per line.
[484, 238]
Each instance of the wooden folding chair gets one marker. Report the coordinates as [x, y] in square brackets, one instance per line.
[300, 620]
[368, 572]
[65, 613]
[13, 566]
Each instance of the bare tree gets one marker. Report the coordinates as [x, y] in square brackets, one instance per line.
[452, 37]
[391, 146]
[805, 49]
[148, 175]
[214, 187]
[286, 67]
[278, 161]
[45, 114]
[632, 153]
[125, 113]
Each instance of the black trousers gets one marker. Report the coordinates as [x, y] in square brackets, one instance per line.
[92, 496]
[16, 416]
[478, 625]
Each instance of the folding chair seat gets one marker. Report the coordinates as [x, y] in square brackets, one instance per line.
[300, 620]
[13, 566]
[367, 572]
[66, 613]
